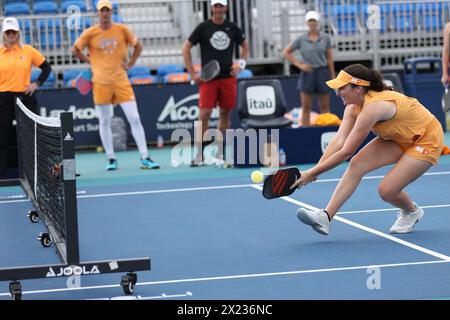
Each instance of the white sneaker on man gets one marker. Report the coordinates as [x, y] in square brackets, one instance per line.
[406, 220]
[317, 219]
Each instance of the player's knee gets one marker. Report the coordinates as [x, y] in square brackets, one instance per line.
[386, 193]
[357, 165]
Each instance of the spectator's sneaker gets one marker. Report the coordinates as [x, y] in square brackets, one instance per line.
[112, 165]
[317, 219]
[218, 162]
[406, 220]
[148, 163]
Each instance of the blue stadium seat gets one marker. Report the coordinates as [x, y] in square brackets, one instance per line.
[432, 15]
[138, 70]
[404, 23]
[11, 1]
[345, 18]
[25, 28]
[16, 9]
[246, 73]
[403, 17]
[49, 32]
[165, 69]
[45, 7]
[81, 5]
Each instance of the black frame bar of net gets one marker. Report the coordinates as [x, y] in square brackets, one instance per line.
[47, 175]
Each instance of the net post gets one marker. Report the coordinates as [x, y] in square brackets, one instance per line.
[70, 194]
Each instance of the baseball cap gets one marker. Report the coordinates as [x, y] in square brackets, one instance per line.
[344, 78]
[222, 2]
[312, 15]
[10, 23]
[104, 3]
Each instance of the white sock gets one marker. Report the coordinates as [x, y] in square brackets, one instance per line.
[104, 114]
[131, 112]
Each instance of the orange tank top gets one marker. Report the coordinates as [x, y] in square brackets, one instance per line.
[409, 122]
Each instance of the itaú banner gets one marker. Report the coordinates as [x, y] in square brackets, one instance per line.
[162, 108]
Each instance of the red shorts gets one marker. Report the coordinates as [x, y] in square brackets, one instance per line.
[219, 92]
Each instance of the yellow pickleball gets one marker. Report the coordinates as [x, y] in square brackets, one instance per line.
[257, 176]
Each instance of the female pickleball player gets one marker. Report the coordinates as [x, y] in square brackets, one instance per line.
[408, 136]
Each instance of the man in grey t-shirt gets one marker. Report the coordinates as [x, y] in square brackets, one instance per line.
[316, 65]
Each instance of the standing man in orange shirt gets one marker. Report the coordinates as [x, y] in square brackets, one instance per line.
[16, 60]
[107, 43]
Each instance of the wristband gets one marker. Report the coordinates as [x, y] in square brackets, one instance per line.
[242, 64]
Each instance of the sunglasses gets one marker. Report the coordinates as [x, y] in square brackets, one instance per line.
[13, 32]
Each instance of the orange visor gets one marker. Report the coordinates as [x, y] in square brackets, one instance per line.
[344, 78]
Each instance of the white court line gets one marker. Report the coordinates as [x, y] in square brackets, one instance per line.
[138, 297]
[439, 173]
[391, 209]
[134, 193]
[203, 188]
[370, 230]
[241, 276]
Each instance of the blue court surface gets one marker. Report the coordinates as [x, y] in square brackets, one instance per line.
[211, 235]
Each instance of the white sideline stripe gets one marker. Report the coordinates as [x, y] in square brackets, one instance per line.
[392, 209]
[370, 230]
[163, 191]
[147, 192]
[204, 188]
[242, 276]
[441, 173]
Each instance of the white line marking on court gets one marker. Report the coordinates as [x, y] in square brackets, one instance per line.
[164, 191]
[441, 173]
[241, 276]
[201, 188]
[370, 230]
[134, 193]
[162, 296]
[392, 209]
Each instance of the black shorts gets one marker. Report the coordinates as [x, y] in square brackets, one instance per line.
[314, 82]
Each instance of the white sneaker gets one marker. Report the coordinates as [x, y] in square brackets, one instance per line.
[406, 220]
[317, 219]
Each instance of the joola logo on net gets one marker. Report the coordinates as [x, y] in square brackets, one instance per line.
[181, 114]
[72, 271]
[78, 113]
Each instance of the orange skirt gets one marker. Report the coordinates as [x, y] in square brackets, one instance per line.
[429, 146]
